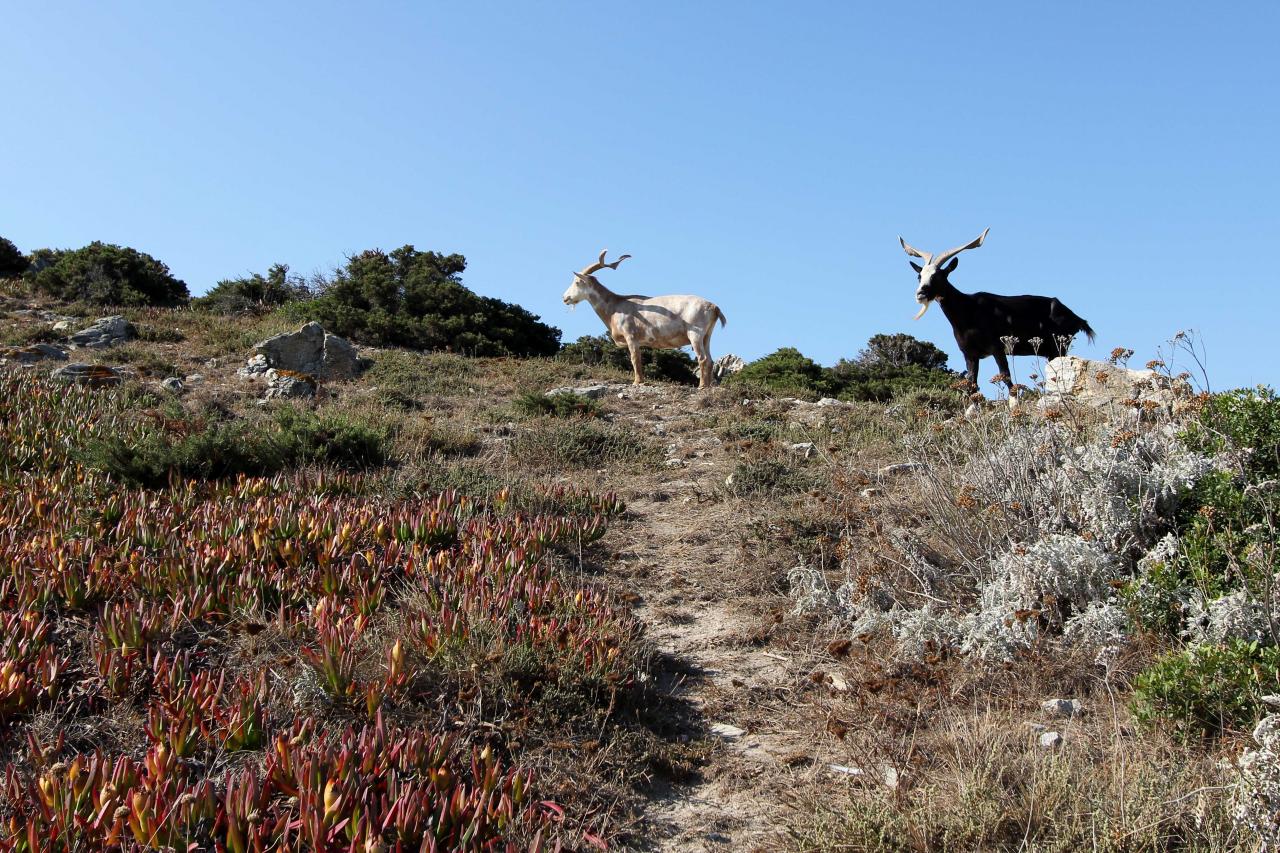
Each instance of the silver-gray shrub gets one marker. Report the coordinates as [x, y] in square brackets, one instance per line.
[1036, 520]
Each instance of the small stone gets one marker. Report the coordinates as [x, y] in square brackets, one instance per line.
[289, 384]
[1062, 707]
[173, 385]
[846, 770]
[62, 326]
[728, 481]
[871, 492]
[804, 449]
[829, 401]
[903, 468]
[256, 366]
[194, 379]
[1050, 740]
[92, 375]
[726, 731]
[675, 463]
[591, 392]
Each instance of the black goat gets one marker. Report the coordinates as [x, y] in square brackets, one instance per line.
[986, 324]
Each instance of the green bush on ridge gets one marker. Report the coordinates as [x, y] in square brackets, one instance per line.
[106, 274]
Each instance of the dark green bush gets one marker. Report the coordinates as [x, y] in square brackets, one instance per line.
[667, 365]
[534, 404]
[12, 262]
[901, 350]
[1244, 418]
[1209, 689]
[415, 299]
[786, 371]
[227, 448]
[882, 382]
[254, 293]
[106, 274]
[890, 366]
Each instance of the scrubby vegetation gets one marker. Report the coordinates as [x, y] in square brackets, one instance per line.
[106, 274]
[663, 365]
[890, 366]
[286, 663]
[416, 299]
[254, 293]
[411, 609]
[12, 261]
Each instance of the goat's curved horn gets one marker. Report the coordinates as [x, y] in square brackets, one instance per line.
[600, 263]
[914, 252]
[951, 253]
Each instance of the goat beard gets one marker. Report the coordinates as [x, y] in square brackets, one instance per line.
[923, 308]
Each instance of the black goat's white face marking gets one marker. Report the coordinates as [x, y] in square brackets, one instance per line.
[924, 291]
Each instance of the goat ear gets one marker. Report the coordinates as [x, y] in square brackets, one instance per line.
[916, 266]
[955, 262]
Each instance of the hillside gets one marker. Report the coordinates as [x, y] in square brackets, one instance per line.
[434, 608]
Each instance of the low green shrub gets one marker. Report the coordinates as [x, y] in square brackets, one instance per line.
[1208, 689]
[578, 443]
[227, 448]
[254, 293]
[1247, 418]
[767, 476]
[533, 404]
[664, 365]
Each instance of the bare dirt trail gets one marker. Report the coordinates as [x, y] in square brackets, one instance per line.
[679, 551]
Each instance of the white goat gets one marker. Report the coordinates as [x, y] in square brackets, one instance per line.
[649, 321]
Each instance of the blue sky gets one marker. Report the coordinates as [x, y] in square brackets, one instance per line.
[766, 156]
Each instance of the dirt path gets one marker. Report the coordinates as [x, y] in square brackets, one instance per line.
[682, 550]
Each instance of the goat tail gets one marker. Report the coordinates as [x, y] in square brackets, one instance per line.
[1087, 329]
[724, 322]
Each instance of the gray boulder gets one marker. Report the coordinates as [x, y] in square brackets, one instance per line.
[105, 332]
[92, 375]
[591, 392]
[309, 350]
[173, 385]
[32, 354]
[289, 385]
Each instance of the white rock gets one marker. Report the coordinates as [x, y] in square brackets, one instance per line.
[804, 449]
[1062, 707]
[1103, 385]
[903, 468]
[871, 492]
[675, 463]
[173, 385]
[726, 731]
[1050, 740]
[846, 770]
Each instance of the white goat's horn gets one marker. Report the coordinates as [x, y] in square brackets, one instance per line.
[942, 258]
[914, 252]
[600, 264]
